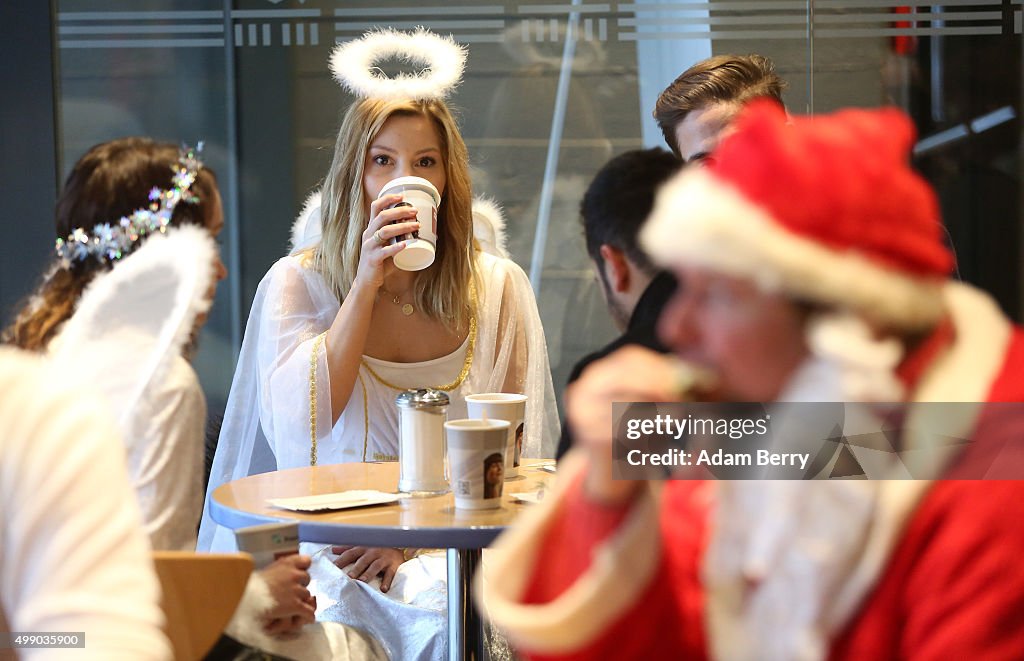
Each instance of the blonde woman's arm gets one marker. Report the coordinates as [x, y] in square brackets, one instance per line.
[346, 337]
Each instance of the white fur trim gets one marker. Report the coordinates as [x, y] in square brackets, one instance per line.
[600, 596]
[489, 226]
[353, 63]
[307, 228]
[864, 365]
[965, 371]
[701, 221]
[897, 500]
[320, 640]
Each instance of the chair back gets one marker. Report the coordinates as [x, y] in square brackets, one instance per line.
[200, 594]
[6, 653]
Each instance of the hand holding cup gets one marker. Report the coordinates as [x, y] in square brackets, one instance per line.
[378, 238]
[419, 196]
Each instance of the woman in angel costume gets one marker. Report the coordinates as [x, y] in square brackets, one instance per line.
[62, 471]
[120, 310]
[118, 196]
[337, 331]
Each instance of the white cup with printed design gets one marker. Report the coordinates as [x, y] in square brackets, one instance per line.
[419, 193]
[268, 542]
[476, 462]
[507, 406]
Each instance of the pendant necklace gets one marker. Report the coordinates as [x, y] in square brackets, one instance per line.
[407, 308]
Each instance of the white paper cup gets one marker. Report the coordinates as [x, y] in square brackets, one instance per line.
[476, 457]
[268, 542]
[420, 193]
[510, 407]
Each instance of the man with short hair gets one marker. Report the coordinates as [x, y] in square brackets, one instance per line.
[614, 207]
[815, 271]
[696, 110]
[694, 113]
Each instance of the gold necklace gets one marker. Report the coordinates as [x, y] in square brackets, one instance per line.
[463, 373]
[466, 365]
[407, 308]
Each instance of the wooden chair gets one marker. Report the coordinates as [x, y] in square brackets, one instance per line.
[200, 594]
[6, 653]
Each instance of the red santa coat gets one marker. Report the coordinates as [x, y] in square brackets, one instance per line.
[582, 581]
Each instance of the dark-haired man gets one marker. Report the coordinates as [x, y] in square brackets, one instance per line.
[615, 206]
[793, 293]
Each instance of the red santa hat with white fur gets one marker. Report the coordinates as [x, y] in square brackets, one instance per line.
[824, 208]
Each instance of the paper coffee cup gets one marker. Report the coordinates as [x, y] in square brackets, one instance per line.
[476, 456]
[510, 407]
[268, 542]
[419, 193]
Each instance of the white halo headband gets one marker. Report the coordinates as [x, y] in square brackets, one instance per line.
[353, 65]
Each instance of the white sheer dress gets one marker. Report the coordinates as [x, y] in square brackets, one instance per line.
[279, 408]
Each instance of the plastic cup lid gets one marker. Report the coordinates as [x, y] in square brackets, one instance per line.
[418, 183]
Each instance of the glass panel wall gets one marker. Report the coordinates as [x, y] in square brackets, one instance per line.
[250, 77]
[159, 69]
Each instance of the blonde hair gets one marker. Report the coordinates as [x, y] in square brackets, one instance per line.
[442, 290]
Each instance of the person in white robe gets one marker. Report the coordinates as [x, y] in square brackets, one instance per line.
[137, 297]
[337, 331]
[73, 556]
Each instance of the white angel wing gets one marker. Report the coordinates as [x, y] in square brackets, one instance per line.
[131, 321]
[306, 228]
[489, 226]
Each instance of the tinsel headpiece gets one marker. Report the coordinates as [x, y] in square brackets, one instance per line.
[112, 241]
[354, 65]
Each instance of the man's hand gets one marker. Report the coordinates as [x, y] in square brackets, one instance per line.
[631, 374]
[294, 607]
[369, 562]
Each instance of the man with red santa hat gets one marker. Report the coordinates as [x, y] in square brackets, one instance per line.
[812, 269]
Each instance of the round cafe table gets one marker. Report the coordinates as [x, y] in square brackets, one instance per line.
[430, 522]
